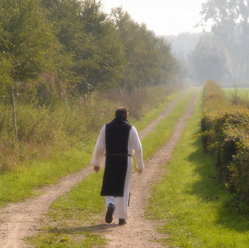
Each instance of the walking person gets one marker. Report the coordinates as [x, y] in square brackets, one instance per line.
[118, 140]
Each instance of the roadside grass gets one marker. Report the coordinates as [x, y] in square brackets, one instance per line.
[161, 133]
[22, 182]
[146, 118]
[190, 203]
[82, 209]
[74, 218]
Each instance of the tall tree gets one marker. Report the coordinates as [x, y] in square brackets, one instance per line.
[27, 45]
[140, 47]
[169, 67]
[101, 58]
[230, 24]
[210, 60]
[27, 42]
[91, 40]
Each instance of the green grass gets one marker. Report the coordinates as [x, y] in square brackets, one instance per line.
[162, 132]
[82, 208]
[74, 217]
[154, 113]
[21, 183]
[240, 92]
[189, 201]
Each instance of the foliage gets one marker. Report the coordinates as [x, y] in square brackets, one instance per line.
[149, 59]
[210, 60]
[225, 135]
[83, 204]
[27, 44]
[183, 43]
[165, 128]
[43, 128]
[188, 202]
[47, 130]
[55, 50]
[230, 26]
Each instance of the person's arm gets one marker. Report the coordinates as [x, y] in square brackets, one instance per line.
[137, 147]
[98, 151]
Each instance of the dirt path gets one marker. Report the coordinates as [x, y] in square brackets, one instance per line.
[138, 232]
[20, 220]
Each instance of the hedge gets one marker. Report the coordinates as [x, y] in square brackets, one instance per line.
[225, 135]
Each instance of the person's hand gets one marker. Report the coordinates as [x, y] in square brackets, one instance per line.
[96, 168]
[139, 171]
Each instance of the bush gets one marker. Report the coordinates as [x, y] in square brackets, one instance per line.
[44, 131]
[225, 136]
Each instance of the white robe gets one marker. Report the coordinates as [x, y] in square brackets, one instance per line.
[134, 148]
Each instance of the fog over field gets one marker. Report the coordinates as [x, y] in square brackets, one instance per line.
[211, 38]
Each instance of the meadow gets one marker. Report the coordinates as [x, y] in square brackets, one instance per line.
[74, 215]
[189, 201]
[237, 95]
[30, 165]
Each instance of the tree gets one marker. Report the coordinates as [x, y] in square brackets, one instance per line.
[169, 67]
[101, 58]
[230, 25]
[27, 40]
[140, 48]
[210, 60]
[91, 40]
[27, 45]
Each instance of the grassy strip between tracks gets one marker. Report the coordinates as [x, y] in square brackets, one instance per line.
[76, 217]
[190, 203]
[20, 184]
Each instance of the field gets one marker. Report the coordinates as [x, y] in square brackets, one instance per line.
[180, 200]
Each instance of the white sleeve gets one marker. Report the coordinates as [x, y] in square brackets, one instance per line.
[137, 148]
[99, 149]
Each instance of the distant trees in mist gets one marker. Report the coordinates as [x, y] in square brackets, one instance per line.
[228, 41]
[210, 60]
[230, 27]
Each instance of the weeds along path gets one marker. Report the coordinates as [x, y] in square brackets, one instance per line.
[22, 219]
[139, 231]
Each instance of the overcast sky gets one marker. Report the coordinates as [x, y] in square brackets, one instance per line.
[164, 17]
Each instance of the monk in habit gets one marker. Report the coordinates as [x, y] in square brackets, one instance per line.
[118, 140]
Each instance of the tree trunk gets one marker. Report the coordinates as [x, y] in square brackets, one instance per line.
[14, 112]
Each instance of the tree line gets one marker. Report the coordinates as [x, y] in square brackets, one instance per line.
[223, 53]
[64, 49]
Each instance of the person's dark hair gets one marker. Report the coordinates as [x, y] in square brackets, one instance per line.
[121, 111]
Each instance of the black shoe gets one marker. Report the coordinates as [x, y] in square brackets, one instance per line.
[109, 213]
[122, 222]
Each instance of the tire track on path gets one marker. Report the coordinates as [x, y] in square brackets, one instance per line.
[23, 219]
[139, 231]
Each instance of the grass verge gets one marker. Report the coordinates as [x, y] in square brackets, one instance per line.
[154, 113]
[190, 203]
[74, 218]
[21, 183]
[162, 132]
[82, 209]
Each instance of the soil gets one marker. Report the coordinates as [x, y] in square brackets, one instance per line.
[23, 219]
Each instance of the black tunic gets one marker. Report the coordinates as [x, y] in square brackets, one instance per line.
[116, 136]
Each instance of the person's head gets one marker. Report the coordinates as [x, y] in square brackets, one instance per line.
[122, 111]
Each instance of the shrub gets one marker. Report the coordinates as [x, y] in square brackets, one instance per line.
[225, 136]
[43, 131]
